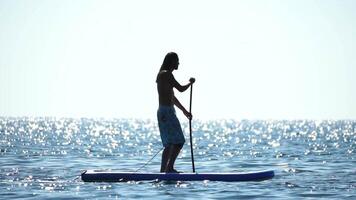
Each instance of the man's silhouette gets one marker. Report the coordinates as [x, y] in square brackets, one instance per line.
[169, 126]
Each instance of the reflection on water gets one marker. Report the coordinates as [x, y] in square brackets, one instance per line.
[42, 157]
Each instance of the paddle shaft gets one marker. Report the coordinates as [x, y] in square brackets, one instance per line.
[190, 128]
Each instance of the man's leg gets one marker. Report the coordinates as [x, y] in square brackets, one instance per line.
[165, 156]
[174, 150]
[177, 149]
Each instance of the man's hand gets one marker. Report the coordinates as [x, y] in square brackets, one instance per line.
[188, 115]
[192, 80]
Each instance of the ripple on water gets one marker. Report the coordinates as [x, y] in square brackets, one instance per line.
[42, 157]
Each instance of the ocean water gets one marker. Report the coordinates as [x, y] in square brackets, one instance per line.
[42, 158]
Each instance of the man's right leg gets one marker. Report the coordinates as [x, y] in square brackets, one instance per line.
[165, 157]
[174, 150]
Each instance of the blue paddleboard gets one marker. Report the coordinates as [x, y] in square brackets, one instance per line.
[111, 176]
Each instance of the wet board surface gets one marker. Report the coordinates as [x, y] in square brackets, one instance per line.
[112, 176]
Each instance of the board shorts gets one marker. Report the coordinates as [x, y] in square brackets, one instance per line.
[169, 126]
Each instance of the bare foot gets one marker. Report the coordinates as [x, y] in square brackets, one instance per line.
[174, 171]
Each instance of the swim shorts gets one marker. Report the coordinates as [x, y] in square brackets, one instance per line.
[169, 126]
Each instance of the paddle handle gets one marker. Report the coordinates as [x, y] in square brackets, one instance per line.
[190, 128]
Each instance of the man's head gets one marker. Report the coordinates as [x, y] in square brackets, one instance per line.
[170, 62]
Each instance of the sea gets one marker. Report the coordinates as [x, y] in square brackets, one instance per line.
[43, 158]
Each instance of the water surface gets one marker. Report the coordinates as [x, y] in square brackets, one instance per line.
[43, 157]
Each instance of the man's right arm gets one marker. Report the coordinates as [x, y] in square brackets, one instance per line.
[175, 84]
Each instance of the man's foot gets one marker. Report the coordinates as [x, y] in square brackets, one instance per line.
[174, 171]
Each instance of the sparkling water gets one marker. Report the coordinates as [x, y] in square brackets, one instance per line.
[43, 158]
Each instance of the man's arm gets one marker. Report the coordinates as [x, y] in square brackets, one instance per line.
[175, 84]
[179, 105]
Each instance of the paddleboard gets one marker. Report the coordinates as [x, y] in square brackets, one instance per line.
[112, 176]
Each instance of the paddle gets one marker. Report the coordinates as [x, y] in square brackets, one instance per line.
[190, 128]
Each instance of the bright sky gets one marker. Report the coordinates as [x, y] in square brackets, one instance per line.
[284, 59]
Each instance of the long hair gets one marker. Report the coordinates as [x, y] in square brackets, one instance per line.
[168, 62]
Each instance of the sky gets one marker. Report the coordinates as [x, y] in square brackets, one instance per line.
[252, 59]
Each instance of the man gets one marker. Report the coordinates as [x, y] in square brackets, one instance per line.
[169, 126]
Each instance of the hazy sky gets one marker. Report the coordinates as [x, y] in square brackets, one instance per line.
[251, 59]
